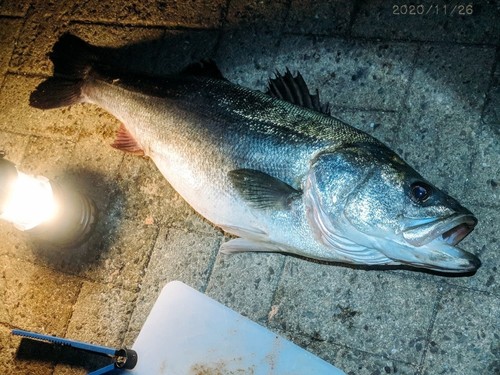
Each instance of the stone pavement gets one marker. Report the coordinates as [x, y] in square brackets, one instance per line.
[426, 84]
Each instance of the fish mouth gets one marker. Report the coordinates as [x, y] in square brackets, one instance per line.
[451, 229]
[456, 234]
[433, 243]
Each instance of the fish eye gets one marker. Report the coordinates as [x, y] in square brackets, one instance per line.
[420, 192]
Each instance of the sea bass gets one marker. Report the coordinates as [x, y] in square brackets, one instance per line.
[274, 169]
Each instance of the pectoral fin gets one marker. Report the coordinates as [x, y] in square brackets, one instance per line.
[263, 191]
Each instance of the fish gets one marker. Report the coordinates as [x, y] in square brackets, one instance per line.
[273, 169]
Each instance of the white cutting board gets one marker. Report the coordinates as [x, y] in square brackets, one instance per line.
[188, 333]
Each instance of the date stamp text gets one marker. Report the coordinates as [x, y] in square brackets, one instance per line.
[433, 9]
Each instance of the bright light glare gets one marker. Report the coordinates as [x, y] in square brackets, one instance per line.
[30, 203]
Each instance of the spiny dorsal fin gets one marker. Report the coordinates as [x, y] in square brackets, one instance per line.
[204, 68]
[295, 90]
[261, 190]
[124, 141]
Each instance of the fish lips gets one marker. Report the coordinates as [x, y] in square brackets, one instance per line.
[438, 237]
[452, 229]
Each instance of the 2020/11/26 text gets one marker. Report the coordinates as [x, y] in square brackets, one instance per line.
[432, 9]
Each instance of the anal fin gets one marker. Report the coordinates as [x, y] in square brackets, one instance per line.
[124, 141]
[242, 245]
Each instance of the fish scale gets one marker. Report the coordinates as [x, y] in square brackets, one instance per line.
[283, 175]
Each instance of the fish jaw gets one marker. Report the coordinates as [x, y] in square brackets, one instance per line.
[431, 243]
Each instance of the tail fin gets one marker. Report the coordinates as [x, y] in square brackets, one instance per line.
[73, 59]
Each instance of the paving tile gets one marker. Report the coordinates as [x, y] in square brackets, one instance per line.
[47, 157]
[491, 113]
[482, 187]
[14, 8]
[248, 44]
[246, 57]
[18, 359]
[465, 338]
[9, 29]
[319, 17]
[354, 362]
[265, 15]
[382, 125]
[18, 117]
[366, 311]
[153, 51]
[199, 13]
[428, 21]
[178, 254]
[130, 48]
[32, 296]
[44, 22]
[348, 73]
[100, 316]
[246, 283]
[125, 249]
[483, 242]
[95, 313]
[444, 112]
[14, 146]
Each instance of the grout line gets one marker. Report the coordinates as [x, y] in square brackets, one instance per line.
[211, 263]
[278, 283]
[435, 311]
[174, 26]
[353, 38]
[137, 292]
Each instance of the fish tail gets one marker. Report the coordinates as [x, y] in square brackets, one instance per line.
[73, 59]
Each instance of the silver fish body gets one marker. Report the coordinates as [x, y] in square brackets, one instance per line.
[279, 176]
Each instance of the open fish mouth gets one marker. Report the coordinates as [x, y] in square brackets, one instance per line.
[433, 243]
[451, 229]
[456, 234]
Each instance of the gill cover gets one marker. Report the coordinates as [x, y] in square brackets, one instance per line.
[332, 180]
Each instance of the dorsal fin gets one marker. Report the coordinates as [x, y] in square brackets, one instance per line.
[204, 68]
[295, 90]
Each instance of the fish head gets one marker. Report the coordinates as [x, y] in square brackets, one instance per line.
[370, 206]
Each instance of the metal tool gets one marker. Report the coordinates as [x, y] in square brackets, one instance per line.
[123, 359]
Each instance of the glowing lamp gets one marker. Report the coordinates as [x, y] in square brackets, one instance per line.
[43, 208]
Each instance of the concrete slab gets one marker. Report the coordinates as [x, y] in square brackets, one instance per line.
[246, 283]
[9, 29]
[354, 362]
[319, 17]
[351, 74]
[491, 112]
[201, 14]
[484, 243]
[43, 24]
[124, 254]
[363, 310]
[382, 125]
[465, 336]
[482, 186]
[14, 9]
[14, 361]
[443, 113]
[18, 117]
[183, 255]
[34, 295]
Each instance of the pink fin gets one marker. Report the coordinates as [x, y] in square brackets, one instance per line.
[124, 141]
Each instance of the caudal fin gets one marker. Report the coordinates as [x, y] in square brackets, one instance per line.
[73, 59]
